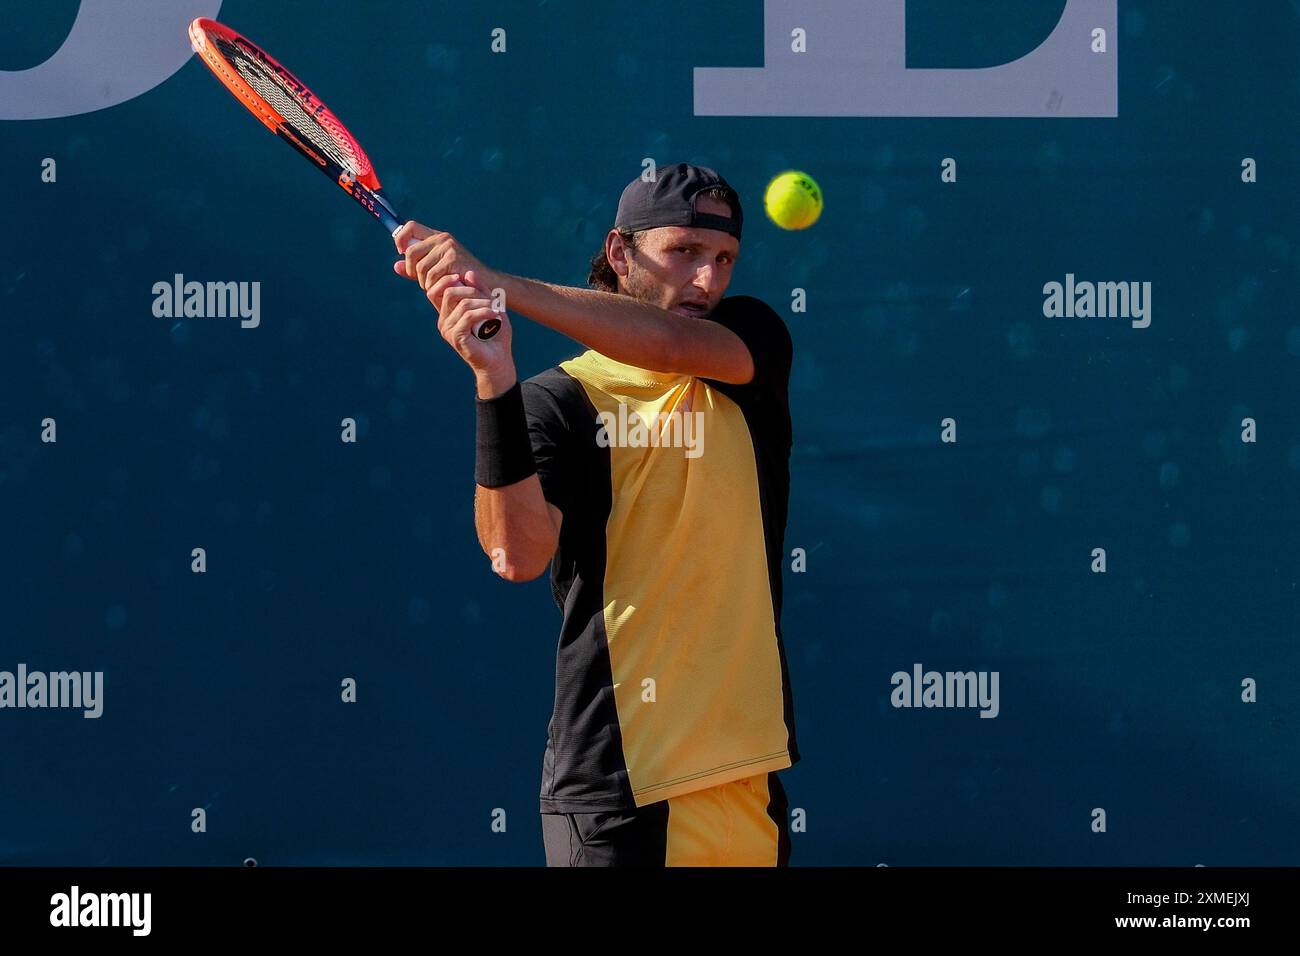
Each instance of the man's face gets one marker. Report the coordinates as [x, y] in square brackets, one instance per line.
[678, 268]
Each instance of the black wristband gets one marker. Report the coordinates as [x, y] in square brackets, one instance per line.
[503, 450]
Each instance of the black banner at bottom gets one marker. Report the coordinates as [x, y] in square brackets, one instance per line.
[328, 905]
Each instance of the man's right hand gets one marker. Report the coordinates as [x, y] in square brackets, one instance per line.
[463, 306]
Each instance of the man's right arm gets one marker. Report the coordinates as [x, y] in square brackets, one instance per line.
[518, 528]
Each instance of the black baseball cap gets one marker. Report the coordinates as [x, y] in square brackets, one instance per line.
[670, 201]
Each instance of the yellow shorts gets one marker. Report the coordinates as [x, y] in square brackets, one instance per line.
[741, 823]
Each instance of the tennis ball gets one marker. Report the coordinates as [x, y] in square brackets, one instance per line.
[793, 200]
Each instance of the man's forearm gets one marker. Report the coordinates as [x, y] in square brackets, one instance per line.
[619, 326]
[514, 528]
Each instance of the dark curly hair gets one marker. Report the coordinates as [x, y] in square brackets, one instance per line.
[602, 275]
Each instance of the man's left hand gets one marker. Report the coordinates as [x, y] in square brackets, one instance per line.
[428, 255]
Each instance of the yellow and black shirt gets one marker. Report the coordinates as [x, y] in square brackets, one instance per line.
[670, 673]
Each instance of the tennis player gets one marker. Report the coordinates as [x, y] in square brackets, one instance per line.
[651, 475]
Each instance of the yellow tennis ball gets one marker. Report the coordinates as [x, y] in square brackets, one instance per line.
[793, 200]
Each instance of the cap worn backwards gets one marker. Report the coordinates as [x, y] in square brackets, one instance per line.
[670, 201]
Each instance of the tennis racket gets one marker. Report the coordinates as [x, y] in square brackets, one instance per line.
[297, 116]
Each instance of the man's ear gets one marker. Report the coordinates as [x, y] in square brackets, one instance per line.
[616, 251]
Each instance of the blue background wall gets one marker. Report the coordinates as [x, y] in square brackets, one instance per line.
[329, 560]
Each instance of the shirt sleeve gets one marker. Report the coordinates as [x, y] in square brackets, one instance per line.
[764, 334]
[552, 443]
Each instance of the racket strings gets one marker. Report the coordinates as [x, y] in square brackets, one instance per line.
[282, 98]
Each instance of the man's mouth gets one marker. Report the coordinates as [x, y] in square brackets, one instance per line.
[695, 309]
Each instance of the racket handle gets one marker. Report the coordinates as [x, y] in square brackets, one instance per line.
[390, 222]
[488, 327]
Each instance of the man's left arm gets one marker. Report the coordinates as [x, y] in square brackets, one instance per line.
[631, 331]
[623, 328]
